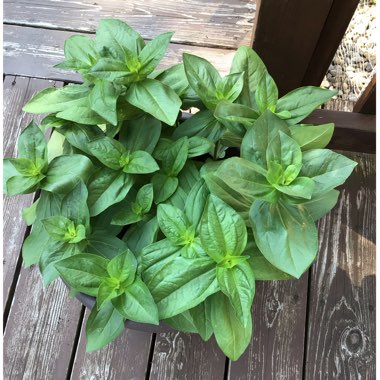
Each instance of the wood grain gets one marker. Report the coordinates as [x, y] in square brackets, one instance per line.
[277, 346]
[125, 358]
[41, 329]
[330, 37]
[186, 356]
[224, 24]
[353, 132]
[367, 102]
[286, 35]
[341, 331]
[33, 52]
[17, 91]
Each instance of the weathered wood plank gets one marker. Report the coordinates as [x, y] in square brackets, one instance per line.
[354, 132]
[367, 102]
[17, 91]
[286, 35]
[125, 358]
[186, 356]
[341, 331]
[224, 24]
[276, 349]
[41, 329]
[33, 52]
[335, 26]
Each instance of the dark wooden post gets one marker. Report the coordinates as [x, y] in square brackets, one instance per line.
[297, 39]
[367, 101]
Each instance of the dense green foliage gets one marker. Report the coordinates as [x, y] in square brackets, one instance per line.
[144, 211]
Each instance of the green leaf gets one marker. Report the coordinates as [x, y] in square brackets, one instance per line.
[83, 272]
[79, 136]
[199, 146]
[26, 167]
[245, 179]
[107, 187]
[266, 94]
[302, 101]
[301, 187]
[163, 186]
[246, 60]
[235, 113]
[141, 134]
[29, 213]
[108, 290]
[327, 168]
[74, 205]
[230, 86]
[140, 162]
[182, 284]
[65, 172]
[23, 185]
[31, 144]
[196, 202]
[57, 99]
[114, 37]
[175, 78]
[137, 304]
[262, 269]
[312, 136]
[222, 232]
[233, 198]
[123, 267]
[103, 99]
[156, 99]
[103, 326]
[203, 79]
[113, 71]
[36, 243]
[52, 253]
[238, 284]
[320, 205]
[202, 124]
[258, 137]
[141, 235]
[156, 255]
[80, 53]
[101, 243]
[153, 52]
[283, 150]
[144, 197]
[286, 235]
[175, 157]
[108, 151]
[174, 224]
[230, 333]
[63, 229]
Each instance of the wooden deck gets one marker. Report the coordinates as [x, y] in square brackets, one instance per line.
[319, 327]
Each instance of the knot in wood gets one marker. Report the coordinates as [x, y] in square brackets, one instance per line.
[353, 341]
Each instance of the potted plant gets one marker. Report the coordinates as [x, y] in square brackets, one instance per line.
[158, 217]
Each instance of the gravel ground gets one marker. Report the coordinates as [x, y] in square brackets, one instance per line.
[355, 60]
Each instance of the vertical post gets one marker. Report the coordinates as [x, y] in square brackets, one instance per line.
[292, 37]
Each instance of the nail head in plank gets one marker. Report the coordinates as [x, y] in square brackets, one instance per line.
[125, 358]
[227, 24]
[276, 348]
[33, 52]
[341, 331]
[17, 90]
[40, 332]
[186, 356]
